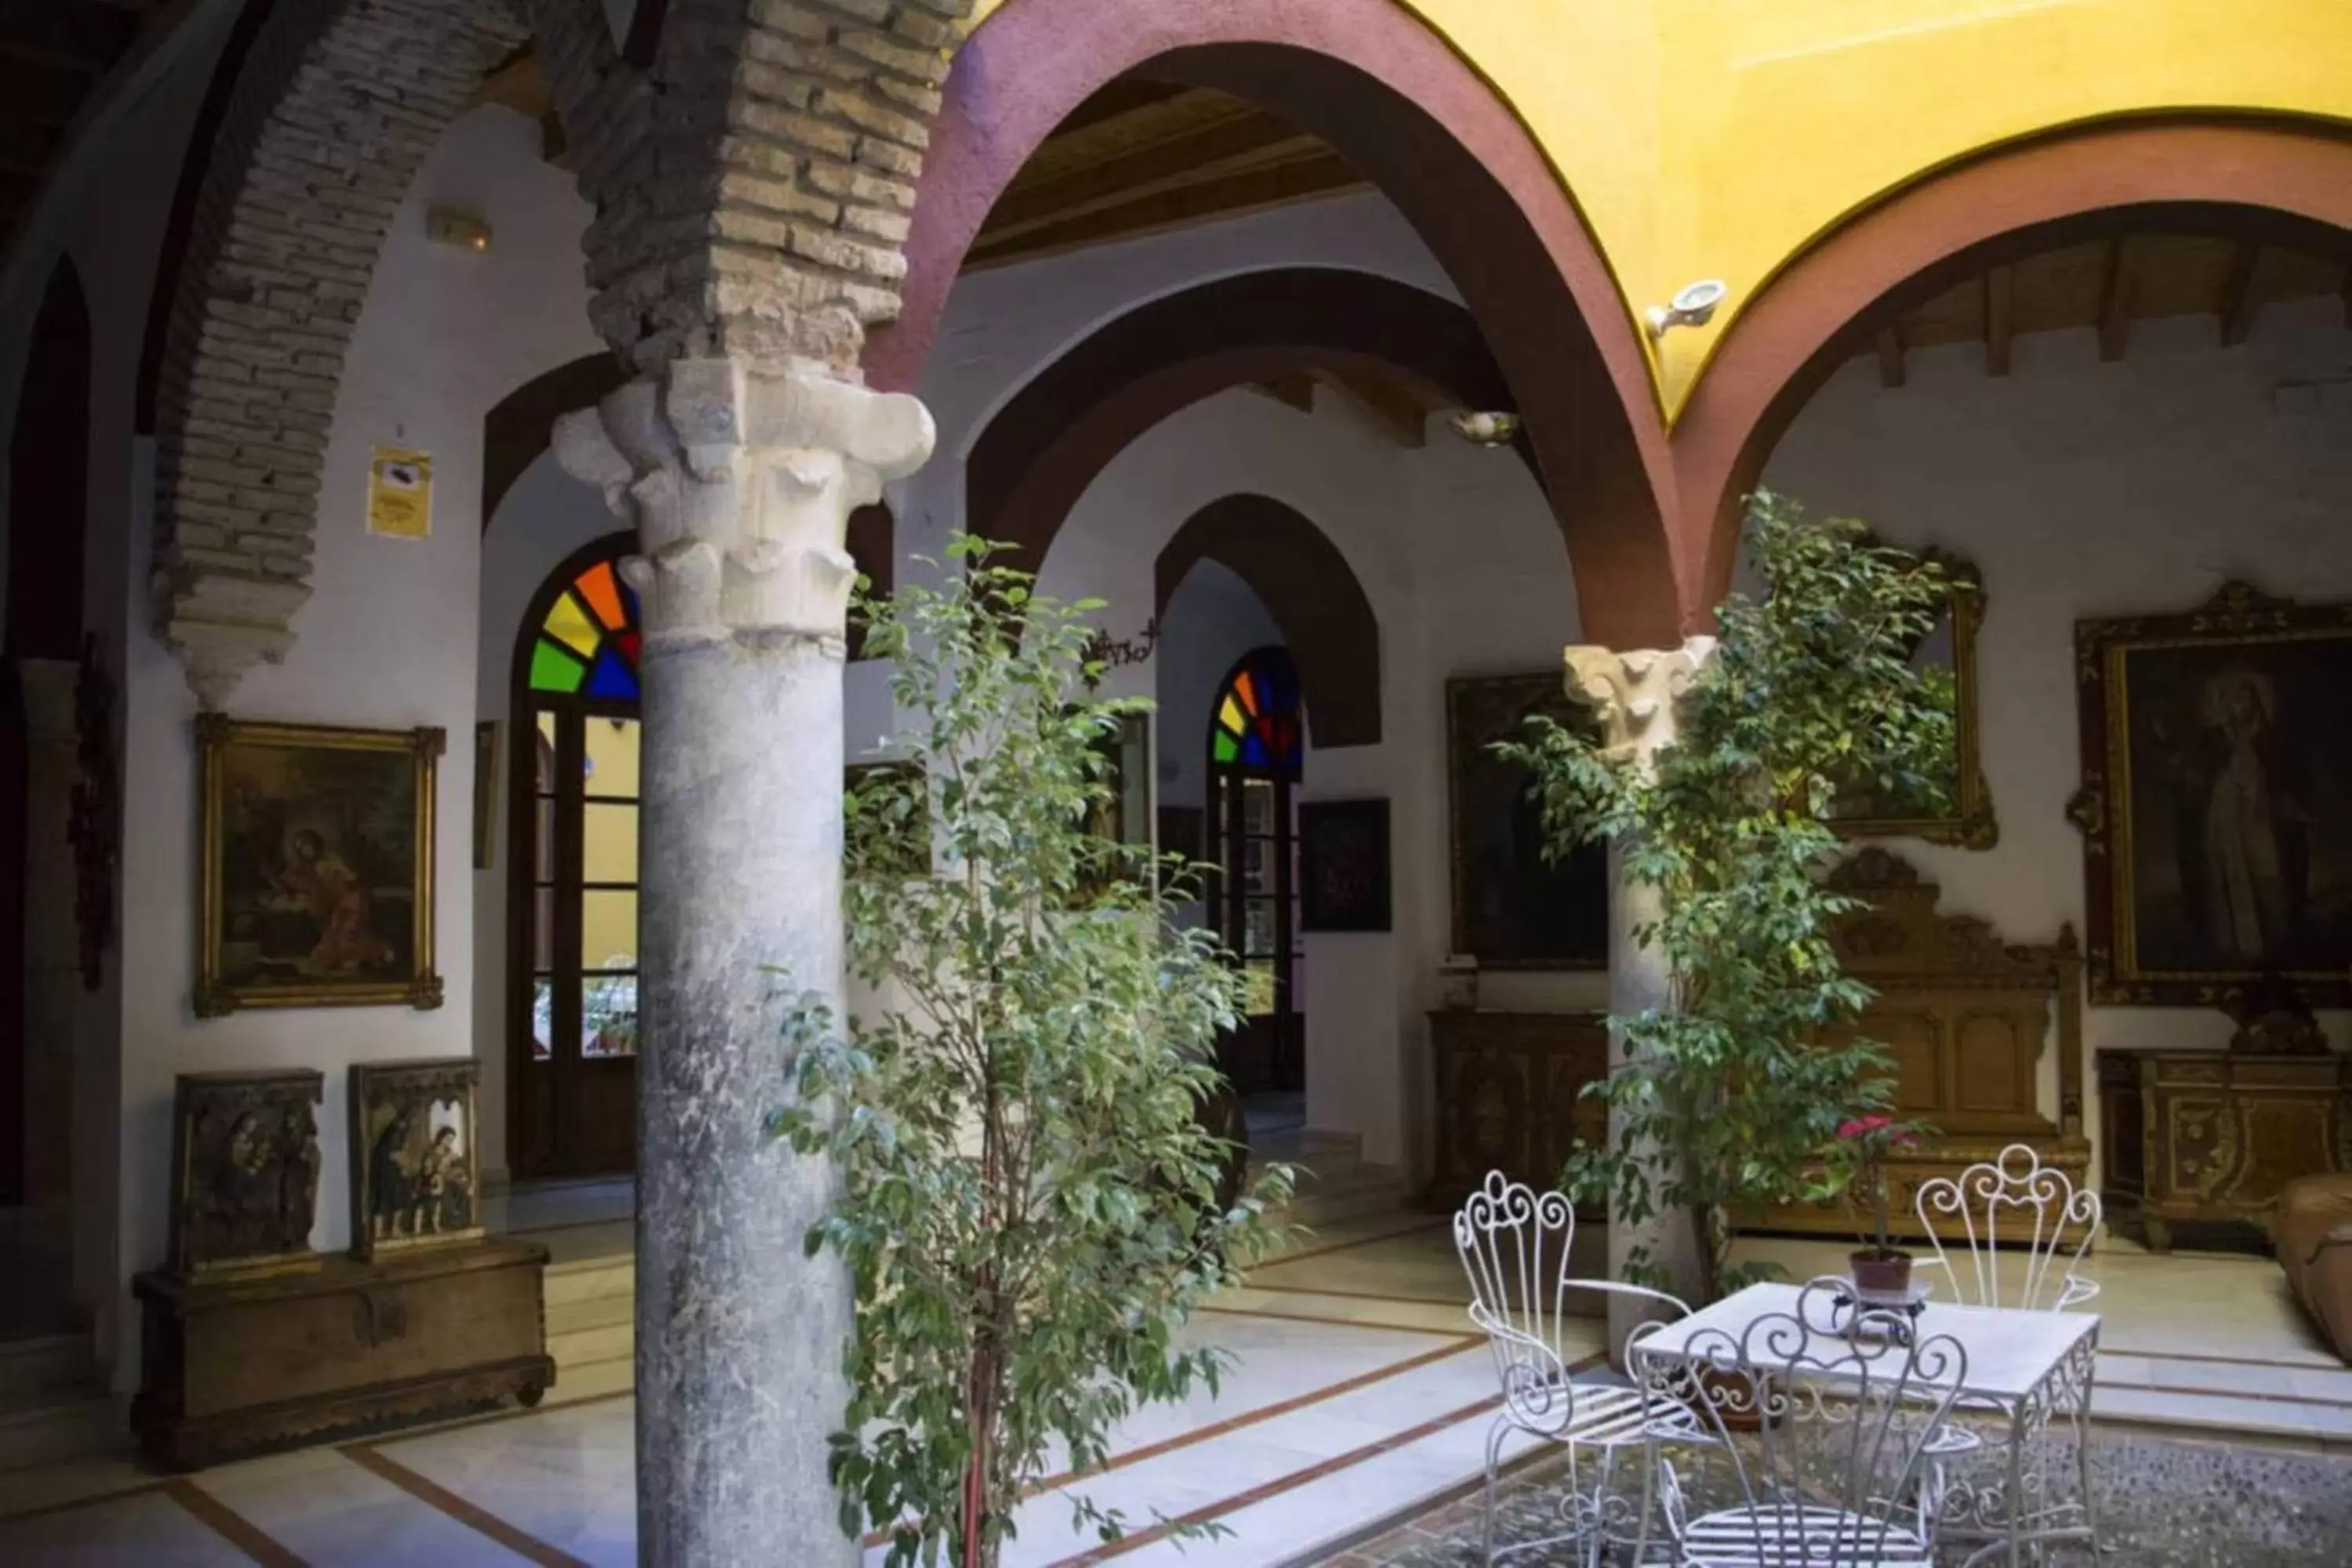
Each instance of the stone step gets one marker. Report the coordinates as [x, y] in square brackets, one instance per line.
[1368, 1191]
[591, 1280]
[45, 1426]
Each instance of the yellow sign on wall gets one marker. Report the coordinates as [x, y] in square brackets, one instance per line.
[400, 493]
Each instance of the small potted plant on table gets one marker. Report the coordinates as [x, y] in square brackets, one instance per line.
[1881, 1272]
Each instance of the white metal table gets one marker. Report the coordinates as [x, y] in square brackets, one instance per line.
[2024, 1368]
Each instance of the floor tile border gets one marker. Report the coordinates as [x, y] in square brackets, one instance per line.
[2107, 1383]
[471, 1515]
[2222, 1360]
[231, 1526]
[1209, 1513]
[123, 1493]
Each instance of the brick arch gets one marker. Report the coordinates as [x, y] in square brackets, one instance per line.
[758, 214]
[2272, 178]
[1043, 449]
[1393, 98]
[1313, 595]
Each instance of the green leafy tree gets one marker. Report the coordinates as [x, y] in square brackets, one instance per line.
[1737, 1085]
[1030, 1200]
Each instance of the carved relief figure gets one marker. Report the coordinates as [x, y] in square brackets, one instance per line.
[245, 1170]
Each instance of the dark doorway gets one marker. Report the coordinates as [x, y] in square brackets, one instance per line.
[1256, 734]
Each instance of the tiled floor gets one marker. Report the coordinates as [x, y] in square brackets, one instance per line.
[1358, 1398]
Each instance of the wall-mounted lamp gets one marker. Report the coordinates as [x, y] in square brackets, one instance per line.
[1692, 305]
[454, 227]
[1486, 427]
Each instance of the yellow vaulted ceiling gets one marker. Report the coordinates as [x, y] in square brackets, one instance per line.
[1719, 138]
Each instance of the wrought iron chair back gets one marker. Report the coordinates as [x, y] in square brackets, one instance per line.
[2011, 1214]
[1514, 1242]
[1823, 1417]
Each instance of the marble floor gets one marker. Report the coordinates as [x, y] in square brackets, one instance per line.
[1360, 1399]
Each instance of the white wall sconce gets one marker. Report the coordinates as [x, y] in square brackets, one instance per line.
[1486, 427]
[458, 228]
[1694, 306]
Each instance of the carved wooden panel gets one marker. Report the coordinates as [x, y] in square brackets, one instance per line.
[1510, 1095]
[2208, 1137]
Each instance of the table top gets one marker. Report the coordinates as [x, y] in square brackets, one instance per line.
[2010, 1352]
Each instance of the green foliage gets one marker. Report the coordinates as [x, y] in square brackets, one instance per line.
[1732, 1081]
[1029, 1196]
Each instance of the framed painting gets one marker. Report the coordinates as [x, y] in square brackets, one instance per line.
[2216, 805]
[414, 1172]
[486, 793]
[1957, 810]
[317, 884]
[1511, 909]
[1343, 854]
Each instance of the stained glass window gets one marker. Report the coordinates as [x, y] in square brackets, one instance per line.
[588, 645]
[1256, 725]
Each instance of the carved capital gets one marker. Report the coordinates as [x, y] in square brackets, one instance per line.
[740, 479]
[1633, 694]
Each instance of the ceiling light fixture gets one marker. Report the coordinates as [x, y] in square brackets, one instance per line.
[1488, 427]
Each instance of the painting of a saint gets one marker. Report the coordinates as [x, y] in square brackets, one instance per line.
[2223, 831]
[318, 865]
[413, 1152]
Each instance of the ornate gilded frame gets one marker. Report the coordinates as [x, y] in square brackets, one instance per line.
[2240, 615]
[1972, 824]
[419, 1084]
[215, 997]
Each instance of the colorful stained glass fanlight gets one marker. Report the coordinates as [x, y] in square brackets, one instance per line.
[588, 645]
[1257, 724]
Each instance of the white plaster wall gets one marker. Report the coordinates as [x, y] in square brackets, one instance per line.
[2083, 488]
[389, 638]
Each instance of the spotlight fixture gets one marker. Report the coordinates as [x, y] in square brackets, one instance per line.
[1694, 306]
[457, 228]
[1488, 427]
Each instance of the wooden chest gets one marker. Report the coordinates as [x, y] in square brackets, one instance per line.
[1510, 1095]
[2211, 1136]
[234, 1366]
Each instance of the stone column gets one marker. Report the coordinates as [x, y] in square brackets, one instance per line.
[1632, 695]
[741, 478]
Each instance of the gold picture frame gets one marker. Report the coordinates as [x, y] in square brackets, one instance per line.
[1970, 824]
[415, 1155]
[313, 836]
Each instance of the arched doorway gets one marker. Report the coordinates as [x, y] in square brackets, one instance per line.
[572, 893]
[1255, 742]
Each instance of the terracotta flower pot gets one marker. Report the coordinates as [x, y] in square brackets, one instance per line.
[1886, 1275]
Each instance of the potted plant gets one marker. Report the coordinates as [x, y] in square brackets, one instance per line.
[1730, 1089]
[1855, 1167]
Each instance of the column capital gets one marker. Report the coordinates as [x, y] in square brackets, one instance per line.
[739, 477]
[1634, 693]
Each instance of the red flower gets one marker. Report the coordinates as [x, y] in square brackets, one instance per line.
[1863, 1126]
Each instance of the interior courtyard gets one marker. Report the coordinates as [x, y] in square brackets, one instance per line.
[497, 398]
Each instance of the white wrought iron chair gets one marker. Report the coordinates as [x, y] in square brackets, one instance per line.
[1514, 1242]
[2013, 1202]
[1823, 1417]
[2008, 1220]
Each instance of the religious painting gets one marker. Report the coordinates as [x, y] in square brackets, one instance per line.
[486, 791]
[318, 865]
[1513, 909]
[1184, 832]
[2217, 801]
[1955, 807]
[413, 1172]
[1343, 852]
[245, 1171]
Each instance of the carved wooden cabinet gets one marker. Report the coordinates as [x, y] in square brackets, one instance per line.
[2211, 1136]
[1510, 1095]
[234, 1366]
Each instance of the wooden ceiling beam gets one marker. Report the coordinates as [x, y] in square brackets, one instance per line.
[1401, 415]
[2239, 303]
[1291, 391]
[1113, 100]
[40, 94]
[82, 38]
[2000, 317]
[2115, 301]
[1255, 190]
[1251, 140]
[1890, 355]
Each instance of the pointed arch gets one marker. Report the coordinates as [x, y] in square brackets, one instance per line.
[1313, 595]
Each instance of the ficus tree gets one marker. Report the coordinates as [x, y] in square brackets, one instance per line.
[1030, 1199]
[1735, 1086]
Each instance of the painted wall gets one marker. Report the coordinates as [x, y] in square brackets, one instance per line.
[388, 638]
[2083, 488]
[1718, 138]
